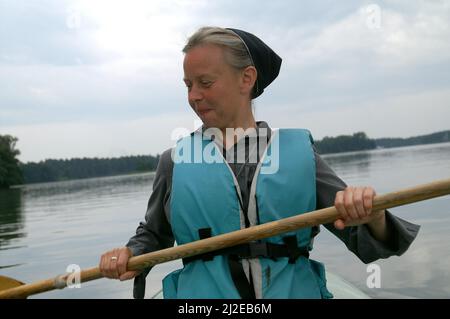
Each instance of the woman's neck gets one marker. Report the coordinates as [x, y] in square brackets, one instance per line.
[237, 130]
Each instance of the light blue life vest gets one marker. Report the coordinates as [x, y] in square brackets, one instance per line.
[204, 195]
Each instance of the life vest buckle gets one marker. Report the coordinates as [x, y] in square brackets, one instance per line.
[257, 249]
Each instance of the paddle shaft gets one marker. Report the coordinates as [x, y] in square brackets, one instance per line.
[318, 217]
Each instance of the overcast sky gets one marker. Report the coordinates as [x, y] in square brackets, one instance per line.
[104, 78]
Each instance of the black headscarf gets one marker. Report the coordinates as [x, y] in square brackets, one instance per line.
[266, 61]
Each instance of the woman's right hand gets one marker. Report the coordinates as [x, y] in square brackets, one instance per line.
[113, 264]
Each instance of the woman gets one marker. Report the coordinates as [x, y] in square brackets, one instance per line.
[224, 70]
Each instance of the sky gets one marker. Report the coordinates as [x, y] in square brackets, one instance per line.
[95, 78]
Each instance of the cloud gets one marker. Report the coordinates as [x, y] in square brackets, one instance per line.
[377, 35]
[38, 33]
[65, 63]
[150, 135]
[122, 89]
[392, 116]
[350, 59]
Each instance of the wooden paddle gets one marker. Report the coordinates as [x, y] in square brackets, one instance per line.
[10, 288]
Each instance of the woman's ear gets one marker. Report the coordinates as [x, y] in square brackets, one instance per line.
[249, 75]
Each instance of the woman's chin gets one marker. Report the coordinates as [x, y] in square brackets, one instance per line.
[209, 121]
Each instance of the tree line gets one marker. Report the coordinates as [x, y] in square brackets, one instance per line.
[439, 137]
[59, 170]
[345, 143]
[13, 172]
[10, 173]
[359, 141]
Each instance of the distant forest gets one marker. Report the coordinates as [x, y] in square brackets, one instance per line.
[359, 141]
[438, 137]
[65, 169]
[60, 170]
[345, 143]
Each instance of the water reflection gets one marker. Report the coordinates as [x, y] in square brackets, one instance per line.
[89, 185]
[11, 217]
[354, 163]
[46, 227]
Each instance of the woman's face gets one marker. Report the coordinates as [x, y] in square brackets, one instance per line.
[214, 88]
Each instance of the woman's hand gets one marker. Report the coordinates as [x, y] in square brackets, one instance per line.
[113, 264]
[355, 207]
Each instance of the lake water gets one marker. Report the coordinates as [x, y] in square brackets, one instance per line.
[44, 228]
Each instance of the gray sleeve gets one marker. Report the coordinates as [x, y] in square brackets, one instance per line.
[359, 239]
[155, 233]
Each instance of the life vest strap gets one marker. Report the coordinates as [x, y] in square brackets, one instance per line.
[258, 250]
[250, 250]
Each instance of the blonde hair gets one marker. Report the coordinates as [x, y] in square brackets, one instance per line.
[236, 53]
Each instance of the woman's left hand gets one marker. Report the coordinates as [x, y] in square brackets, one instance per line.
[355, 207]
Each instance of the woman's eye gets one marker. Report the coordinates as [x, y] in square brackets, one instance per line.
[206, 83]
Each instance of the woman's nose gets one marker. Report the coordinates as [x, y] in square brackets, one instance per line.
[195, 94]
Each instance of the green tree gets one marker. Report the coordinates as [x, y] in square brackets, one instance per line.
[10, 172]
[52, 170]
[345, 143]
